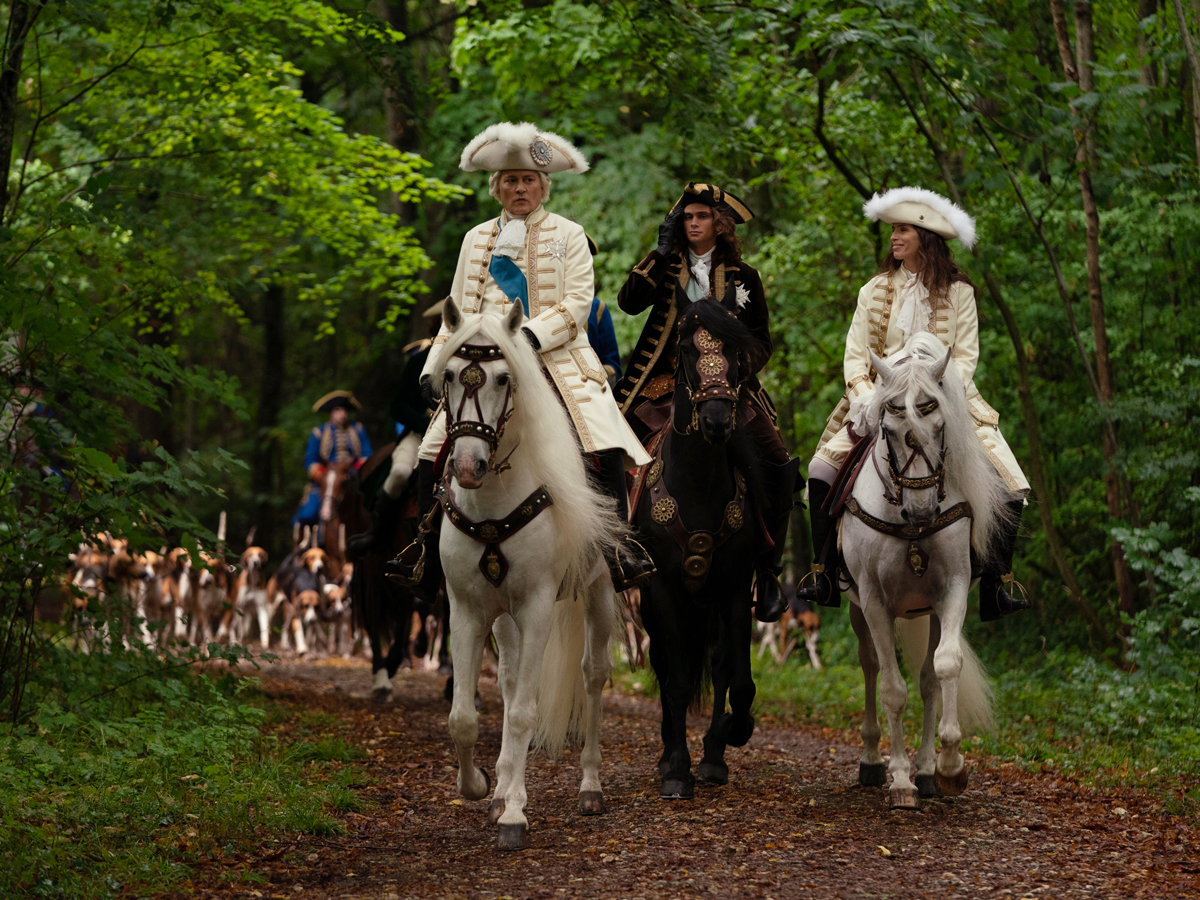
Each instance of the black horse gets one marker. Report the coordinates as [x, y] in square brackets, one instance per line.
[698, 516]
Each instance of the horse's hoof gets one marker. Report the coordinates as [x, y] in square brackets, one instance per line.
[676, 789]
[905, 798]
[872, 774]
[927, 786]
[591, 803]
[740, 732]
[952, 785]
[511, 837]
[495, 811]
[713, 773]
[381, 695]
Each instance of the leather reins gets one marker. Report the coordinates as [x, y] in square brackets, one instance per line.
[900, 480]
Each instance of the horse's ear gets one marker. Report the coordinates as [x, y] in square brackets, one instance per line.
[514, 318]
[880, 366]
[451, 314]
[940, 369]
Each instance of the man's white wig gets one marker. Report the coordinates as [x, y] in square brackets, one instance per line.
[925, 209]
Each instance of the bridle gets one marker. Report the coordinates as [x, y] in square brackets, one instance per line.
[713, 371]
[473, 378]
[901, 480]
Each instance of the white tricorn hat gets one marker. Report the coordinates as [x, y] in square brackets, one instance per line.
[925, 209]
[505, 146]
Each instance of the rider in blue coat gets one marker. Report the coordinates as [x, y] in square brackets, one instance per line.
[603, 338]
[337, 441]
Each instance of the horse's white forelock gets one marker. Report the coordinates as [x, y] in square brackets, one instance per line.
[586, 521]
[969, 473]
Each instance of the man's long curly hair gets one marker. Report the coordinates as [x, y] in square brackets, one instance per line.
[938, 268]
[729, 245]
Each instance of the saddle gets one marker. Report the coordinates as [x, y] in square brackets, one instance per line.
[847, 475]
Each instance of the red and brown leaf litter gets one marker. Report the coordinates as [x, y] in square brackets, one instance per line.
[791, 822]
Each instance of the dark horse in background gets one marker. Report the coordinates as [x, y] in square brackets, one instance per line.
[697, 514]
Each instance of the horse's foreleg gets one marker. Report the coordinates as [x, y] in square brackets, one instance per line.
[927, 755]
[508, 643]
[597, 666]
[520, 713]
[894, 694]
[871, 770]
[712, 768]
[951, 772]
[464, 720]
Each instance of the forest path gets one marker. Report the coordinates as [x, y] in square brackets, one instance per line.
[791, 822]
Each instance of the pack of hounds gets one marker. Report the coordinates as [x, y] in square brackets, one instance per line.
[172, 597]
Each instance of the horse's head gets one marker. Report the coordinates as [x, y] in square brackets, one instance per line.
[477, 388]
[710, 368]
[912, 424]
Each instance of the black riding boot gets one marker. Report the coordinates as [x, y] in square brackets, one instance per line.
[628, 563]
[823, 590]
[994, 601]
[384, 517]
[419, 566]
[779, 483]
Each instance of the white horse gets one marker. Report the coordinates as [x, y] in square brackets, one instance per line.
[523, 537]
[926, 495]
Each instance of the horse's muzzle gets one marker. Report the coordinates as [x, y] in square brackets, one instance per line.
[716, 421]
[469, 472]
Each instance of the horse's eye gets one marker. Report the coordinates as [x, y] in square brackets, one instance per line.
[447, 376]
[502, 379]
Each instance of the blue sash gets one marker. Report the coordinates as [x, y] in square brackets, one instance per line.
[511, 280]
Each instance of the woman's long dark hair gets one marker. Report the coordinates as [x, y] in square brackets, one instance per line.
[938, 268]
[729, 245]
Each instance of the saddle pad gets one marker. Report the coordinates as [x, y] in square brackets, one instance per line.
[843, 482]
[639, 474]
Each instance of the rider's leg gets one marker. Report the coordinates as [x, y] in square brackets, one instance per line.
[779, 486]
[629, 564]
[823, 588]
[994, 600]
[387, 509]
[422, 574]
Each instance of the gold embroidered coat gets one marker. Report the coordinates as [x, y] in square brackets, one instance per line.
[561, 289]
[873, 328]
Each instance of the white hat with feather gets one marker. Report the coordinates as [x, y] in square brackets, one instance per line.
[925, 209]
[505, 146]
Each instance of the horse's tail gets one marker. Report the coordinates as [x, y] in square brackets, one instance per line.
[974, 687]
[562, 692]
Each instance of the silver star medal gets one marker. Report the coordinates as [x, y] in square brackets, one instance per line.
[557, 249]
[743, 297]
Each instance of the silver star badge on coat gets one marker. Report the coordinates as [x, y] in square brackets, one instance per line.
[557, 249]
[743, 296]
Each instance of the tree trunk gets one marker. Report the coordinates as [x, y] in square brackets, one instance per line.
[1146, 8]
[21, 16]
[1083, 74]
[1194, 69]
[1033, 429]
[263, 460]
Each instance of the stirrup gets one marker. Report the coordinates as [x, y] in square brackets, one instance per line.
[835, 592]
[622, 581]
[1014, 604]
[408, 568]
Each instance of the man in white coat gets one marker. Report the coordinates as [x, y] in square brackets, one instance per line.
[531, 256]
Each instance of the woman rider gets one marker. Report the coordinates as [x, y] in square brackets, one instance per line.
[918, 288]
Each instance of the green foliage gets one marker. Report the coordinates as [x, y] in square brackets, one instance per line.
[106, 792]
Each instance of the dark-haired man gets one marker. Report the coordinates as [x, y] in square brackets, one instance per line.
[699, 256]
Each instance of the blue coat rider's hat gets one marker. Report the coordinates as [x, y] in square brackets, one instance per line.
[334, 399]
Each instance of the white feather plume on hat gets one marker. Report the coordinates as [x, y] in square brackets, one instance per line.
[925, 209]
[522, 145]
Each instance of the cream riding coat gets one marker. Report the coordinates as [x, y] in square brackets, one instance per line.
[561, 289]
[873, 328]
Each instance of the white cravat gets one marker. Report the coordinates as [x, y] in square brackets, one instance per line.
[512, 238]
[913, 303]
[700, 266]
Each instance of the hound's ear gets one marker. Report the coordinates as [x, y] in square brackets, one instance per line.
[880, 367]
[451, 314]
[940, 369]
[516, 315]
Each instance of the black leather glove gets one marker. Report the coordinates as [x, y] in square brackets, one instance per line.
[667, 231]
[532, 338]
[427, 391]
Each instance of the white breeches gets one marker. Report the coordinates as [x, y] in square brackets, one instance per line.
[435, 436]
[404, 460]
[994, 445]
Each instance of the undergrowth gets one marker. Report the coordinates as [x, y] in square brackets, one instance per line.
[107, 793]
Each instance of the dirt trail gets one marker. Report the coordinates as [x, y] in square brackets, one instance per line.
[791, 822]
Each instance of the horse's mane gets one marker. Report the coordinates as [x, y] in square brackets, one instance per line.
[969, 473]
[586, 521]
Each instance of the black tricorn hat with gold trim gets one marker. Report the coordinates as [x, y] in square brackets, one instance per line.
[711, 195]
[334, 399]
